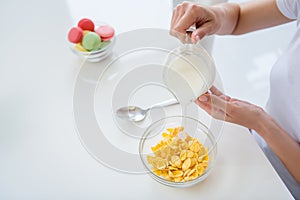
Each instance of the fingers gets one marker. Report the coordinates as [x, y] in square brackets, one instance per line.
[184, 16]
[213, 105]
[178, 12]
[201, 32]
[177, 29]
[212, 110]
[180, 36]
[225, 97]
[213, 100]
[215, 91]
[218, 93]
[174, 17]
[185, 22]
[187, 14]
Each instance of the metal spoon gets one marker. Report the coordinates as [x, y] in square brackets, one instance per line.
[136, 114]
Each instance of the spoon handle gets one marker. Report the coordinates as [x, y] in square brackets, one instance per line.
[166, 103]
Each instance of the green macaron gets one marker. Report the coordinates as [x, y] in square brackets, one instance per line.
[91, 41]
[103, 44]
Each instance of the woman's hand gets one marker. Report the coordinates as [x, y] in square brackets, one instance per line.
[225, 18]
[189, 14]
[231, 110]
[246, 114]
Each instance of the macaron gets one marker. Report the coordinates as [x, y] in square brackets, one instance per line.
[106, 32]
[106, 39]
[79, 47]
[75, 35]
[85, 32]
[104, 44]
[91, 41]
[86, 24]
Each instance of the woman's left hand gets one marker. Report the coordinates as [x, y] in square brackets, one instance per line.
[231, 110]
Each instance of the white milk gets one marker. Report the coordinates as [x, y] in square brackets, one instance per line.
[188, 77]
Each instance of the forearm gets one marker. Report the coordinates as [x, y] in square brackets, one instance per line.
[283, 145]
[227, 15]
[250, 16]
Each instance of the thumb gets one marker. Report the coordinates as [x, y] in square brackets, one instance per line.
[201, 32]
[214, 101]
[213, 105]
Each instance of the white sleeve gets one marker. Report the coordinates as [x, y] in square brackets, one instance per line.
[289, 8]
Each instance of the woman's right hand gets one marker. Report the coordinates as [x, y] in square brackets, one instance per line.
[204, 18]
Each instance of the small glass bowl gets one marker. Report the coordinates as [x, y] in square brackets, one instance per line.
[94, 56]
[194, 128]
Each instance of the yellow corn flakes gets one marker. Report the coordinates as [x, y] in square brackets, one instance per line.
[177, 159]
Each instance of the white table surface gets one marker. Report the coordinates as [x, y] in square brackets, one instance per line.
[41, 156]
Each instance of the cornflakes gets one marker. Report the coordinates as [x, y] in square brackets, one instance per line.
[178, 159]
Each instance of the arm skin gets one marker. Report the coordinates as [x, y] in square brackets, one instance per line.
[250, 16]
[251, 116]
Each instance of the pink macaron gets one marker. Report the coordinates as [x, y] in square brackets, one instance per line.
[86, 24]
[106, 32]
[75, 35]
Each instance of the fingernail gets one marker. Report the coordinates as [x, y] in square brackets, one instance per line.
[202, 98]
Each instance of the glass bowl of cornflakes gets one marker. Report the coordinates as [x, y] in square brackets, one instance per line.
[178, 151]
